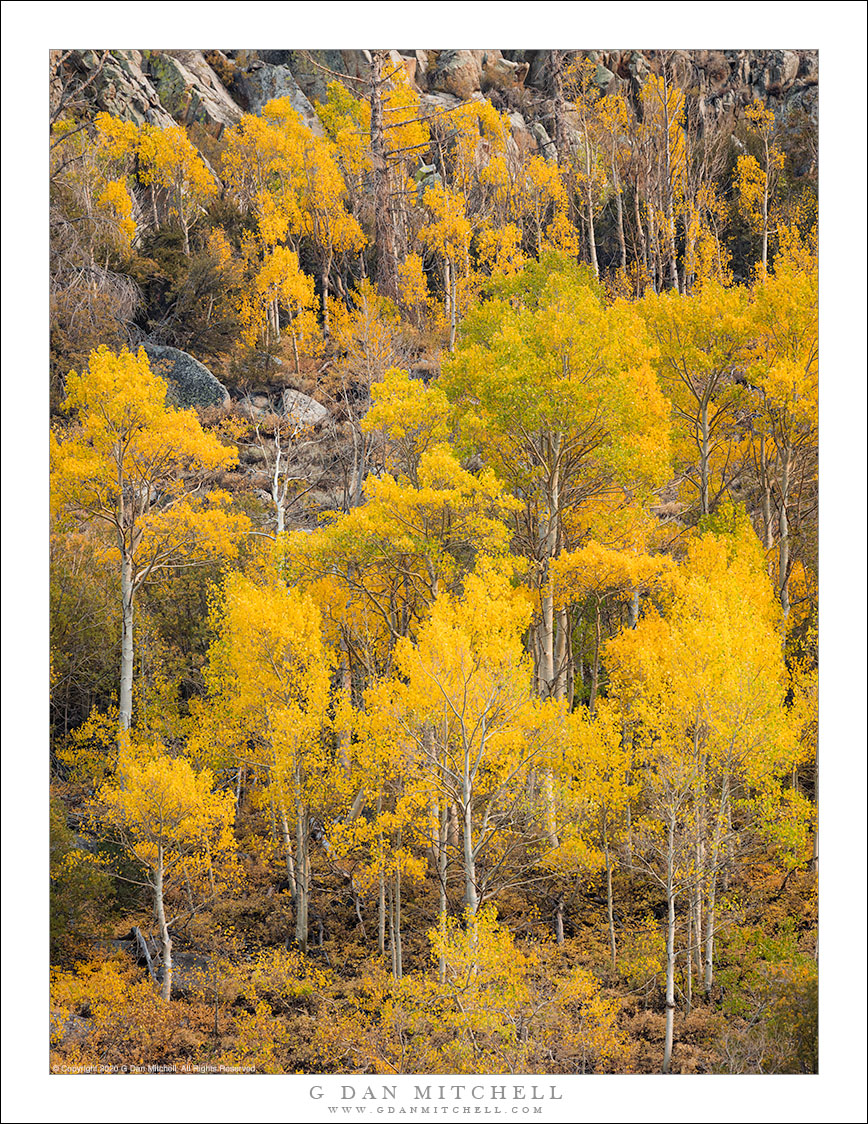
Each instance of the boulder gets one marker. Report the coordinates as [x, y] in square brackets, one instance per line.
[311, 68]
[464, 73]
[458, 73]
[524, 139]
[499, 73]
[190, 382]
[544, 141]
[190, 90]
[262, 82]
[121, 87]
[303, 409]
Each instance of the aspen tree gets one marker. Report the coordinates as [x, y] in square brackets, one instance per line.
[138, 466]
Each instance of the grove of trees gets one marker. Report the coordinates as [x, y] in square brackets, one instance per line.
[469, 723]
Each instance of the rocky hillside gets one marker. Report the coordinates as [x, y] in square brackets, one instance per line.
[208, 91]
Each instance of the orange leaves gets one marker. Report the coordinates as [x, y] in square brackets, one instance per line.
[602, 572]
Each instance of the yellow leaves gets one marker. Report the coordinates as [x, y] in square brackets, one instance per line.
[405, 135]
[412, 418]
[412, 284]
[119, 139]
[467, 668]
[561, 237]
[116, 196]
[449, 231]
[280, 279]
[268, 676]
[168, 159]
[711, 674]
[293, 179]
[761, 119]
[663, 124]
[598, 570]
[751, 186]
[553, 375]
[163, 809]
[131, 452]
[785, 339]
[592, 1036]
[499, 249]
[347, 120]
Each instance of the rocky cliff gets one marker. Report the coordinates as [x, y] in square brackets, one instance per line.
[211, 89]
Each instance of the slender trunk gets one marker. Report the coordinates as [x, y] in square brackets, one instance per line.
[642, 253]
[815, 853]
[392, 942]
[383, 218]
[688, 996]
[442, 872]
[399, 954]
[609, 903]
[712, 887]
[381, 895]
[165, 939]
[589, 200]
[361, 451]
[619, 214]
[561, 654]
[670, 944]
[302, 874]
[784, 533]
[559, 920]
[766, 209]
[287, 844]
[634, 609]
[595, 671]
[549, 536]
[471, 900]
[670, 217]
[344, 734]
[765, 483]
[324, 278]
[704, 435]
[144, 952]
[126, 691]
[453, 308]
[556, 61]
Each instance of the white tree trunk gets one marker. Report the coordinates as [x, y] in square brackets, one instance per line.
[165, 939]
[670, 944]
[126, 689]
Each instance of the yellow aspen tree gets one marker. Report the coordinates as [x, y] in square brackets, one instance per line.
[367, 333]
[448, 236]
[783, 367]
[169, 162]
[598, 573]
[664, 145]
[702, 344]
[268, 678]
[467, 701]
[170, 820]
[385, 842]
[279, 285]
[704, 687]
[756, 182]
[557, 391]
[138, 467]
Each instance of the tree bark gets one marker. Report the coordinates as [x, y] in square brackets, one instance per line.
[609, 903]
[126, 688]
[302, 903]
[383, 218]
[670, 944]
[165, 939]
